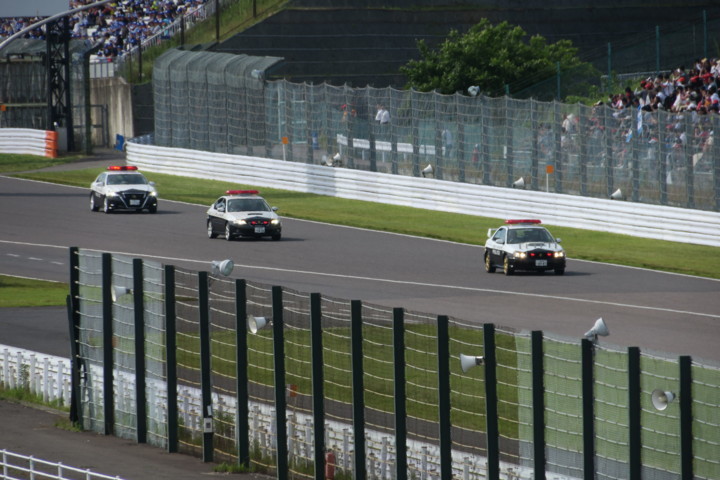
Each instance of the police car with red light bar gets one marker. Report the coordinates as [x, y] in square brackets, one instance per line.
[123, 187]
[523, 245]
[243, 213]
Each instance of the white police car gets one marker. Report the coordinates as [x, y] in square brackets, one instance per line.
[123, 188]
[243, 213]
[523, 245]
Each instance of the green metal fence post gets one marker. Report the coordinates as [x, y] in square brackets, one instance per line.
[508, 155]
[634, 161]
[558, 148]
[534, 151]
[657, 50]
[491, 399]
[171, 359]
[205, 372]
[538, 405]
[358, 387]
[686, 418]
[400, 395]
[242, 424]
[634, 414]
[588, 409]
[485, 139]
[318, 380]
[73, 311]
[108, 367]
[280, 387]
[140, 387]
[444, 425]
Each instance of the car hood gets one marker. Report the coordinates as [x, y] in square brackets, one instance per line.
[125, 188]
[244, 215]
[527, 246]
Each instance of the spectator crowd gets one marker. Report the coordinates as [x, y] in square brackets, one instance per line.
[119, 26]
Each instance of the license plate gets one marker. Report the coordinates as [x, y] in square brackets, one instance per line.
[541, 263]
[134, 202]
[259, 229]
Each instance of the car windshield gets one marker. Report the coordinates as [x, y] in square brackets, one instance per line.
[127, 179]
[523, 235]
[247, 205]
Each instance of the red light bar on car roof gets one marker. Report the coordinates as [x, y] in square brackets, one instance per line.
[122, 167]
[513, 222]
[242, 192]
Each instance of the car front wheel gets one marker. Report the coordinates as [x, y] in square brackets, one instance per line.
[93, 206]
[228, 235]
[106, 206]
[506, 266]
[210, 232]
[489, 267]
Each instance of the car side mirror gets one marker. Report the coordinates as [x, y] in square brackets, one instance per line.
[558, 240]
[501, 241]
[274, 209]
[221, 208]
[152, 184]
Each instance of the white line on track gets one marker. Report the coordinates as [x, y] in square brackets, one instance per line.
[399, 282]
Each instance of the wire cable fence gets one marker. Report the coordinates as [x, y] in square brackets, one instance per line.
[297, 382]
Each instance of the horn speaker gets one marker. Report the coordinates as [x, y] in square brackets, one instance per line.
[427, 170]
[661, 398]
[118, 292]
[256, 323]
[224, 267]
[519, 183]
[467, 362]
[616, 195]
[600, 328]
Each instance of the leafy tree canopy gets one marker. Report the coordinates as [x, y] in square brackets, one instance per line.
[490, 57]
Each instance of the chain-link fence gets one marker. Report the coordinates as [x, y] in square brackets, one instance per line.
[293, 376]
[219, 102]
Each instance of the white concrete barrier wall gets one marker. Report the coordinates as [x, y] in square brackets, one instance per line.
[28, 141]
[616, 216]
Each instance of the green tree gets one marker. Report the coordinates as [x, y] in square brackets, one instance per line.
[490, 57]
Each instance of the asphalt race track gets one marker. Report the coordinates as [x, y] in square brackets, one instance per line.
[657, 312]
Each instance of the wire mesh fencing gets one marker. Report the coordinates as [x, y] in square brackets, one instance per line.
[298, 381]
[221, 103]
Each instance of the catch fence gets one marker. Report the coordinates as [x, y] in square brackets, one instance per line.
[222, 103]
[286, 382]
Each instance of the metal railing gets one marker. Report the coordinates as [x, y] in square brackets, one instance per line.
[20, 467]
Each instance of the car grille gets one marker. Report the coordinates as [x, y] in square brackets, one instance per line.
[540, 254]
[258, 221]
[133, 195]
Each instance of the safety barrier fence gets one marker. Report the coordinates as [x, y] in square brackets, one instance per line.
[20, 467]
[654, 157]
[630, 218]
[295, 383]
[29, 141]
[44, 375]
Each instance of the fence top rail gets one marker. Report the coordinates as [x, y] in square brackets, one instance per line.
[29, 464]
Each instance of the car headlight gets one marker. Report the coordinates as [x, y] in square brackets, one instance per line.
[559, 254]
[153, 193]
[519, 254]
[111, 194]
[275, 221]
[239, 222]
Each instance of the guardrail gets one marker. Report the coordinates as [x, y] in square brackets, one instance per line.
[29, 141]
[14, 466]
[615, 216]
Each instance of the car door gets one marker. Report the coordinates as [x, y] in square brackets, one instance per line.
[98, 187]
[217, 215]
[497, 245]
